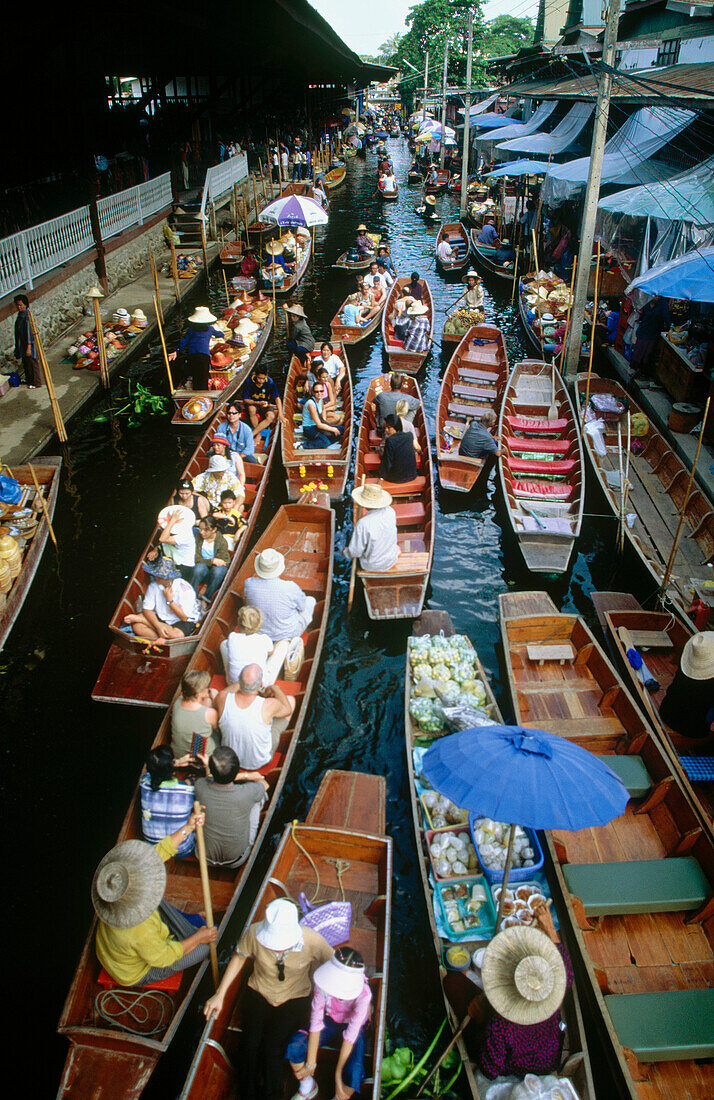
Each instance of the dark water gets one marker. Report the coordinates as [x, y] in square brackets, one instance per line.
[71, 764]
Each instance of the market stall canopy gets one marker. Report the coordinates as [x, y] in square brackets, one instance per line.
[687, 197]
[479, 108]
[539, 116]
[690, 276]
[520, 168]
[627, 154]
[490, 119]
[558, 140]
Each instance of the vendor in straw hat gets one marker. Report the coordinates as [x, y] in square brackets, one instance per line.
[194, 347]
[287, 611]
[374, 538]
[277, 1000]
[364, 242]
[276, 269]
[688, 705]
[488, 233]
[473, 295]
[300, 339]
[141, 938]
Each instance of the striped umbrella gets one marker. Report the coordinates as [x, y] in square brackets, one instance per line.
[293, 211]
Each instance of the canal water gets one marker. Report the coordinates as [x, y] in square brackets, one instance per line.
[70, 765]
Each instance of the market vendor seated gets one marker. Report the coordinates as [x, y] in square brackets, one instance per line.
[374, 538]
[262, 401]
[249, 265]
[384, 257]
[488, 234]
[688, 704]
[364, 242]
[169, 609]
[317, 432]
[140, 937]
[473, 295]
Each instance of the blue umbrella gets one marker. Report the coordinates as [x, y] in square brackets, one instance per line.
[690, 276]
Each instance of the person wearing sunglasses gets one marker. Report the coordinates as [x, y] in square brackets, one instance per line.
[277, 999]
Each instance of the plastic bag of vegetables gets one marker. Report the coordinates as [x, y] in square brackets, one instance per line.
[462, 716]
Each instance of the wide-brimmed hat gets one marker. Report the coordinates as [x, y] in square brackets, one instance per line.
[489, 202]
[471, 275]
[163, 569]
[280, 928]
[187, 516]
[138, 315]
[523, 975]
[418, 309]
[201, 316]
[218, 464]
[338, 980]
[128, 884]
[547, 317]
[270, 563]
[275, 248]
[296, 310]
[371, 496]
[698, 656]
[362, 228]
[431, 199]
[246, 327]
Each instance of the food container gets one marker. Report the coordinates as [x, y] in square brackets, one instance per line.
[459, 831]
[430, 821]
[517, 894]
[516, 874]
[467, 902]
[456, 957]
[683, 417]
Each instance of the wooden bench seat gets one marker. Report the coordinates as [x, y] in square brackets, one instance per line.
[476, 374]
[457, 409]
[631, 772]
[638, 886]
[372, 461]
[474, 392]
[676, 1025]
[404, 488]
[414, 562]
[594, 726]
[413, 512]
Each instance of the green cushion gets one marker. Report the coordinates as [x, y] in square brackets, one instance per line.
[633, 773]
[665, 1027]
[638, 886]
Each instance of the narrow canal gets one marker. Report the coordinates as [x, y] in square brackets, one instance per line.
[71, 764]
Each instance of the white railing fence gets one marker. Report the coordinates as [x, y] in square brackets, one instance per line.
[33, 252]
[221, 177]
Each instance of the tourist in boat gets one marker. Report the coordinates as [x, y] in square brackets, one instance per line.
[416, 337]
[444, 252]
[229, 518]
[398, 463]
[688, 704]
[140, 937]
[478, 441]
[403, 411]
[414, 288]
[353, 312]
[400, 317]
[231, 800]
[194, 715]
[317, 432]
[364, 242]
[329, 408]
[374, 538]
[238, 434]
[432, 177]
[389, 183]
[194, 345]
[383, 257]
[176, 538]
[166, 802]
[169, 608]
[249, 644]
[262, 401]
[300, 339]
[277, 999]
[318, 192]
[221, 446]
[377, 300]
[339, 1013]
[373, 277]
[332, 363]
[488, 234]
[219, 475]
[504, 254]
[287, 611]
[252, 723]
[386, 401]
[212, 558]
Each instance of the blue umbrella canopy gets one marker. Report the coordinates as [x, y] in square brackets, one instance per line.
[690, 276]
[525, 777]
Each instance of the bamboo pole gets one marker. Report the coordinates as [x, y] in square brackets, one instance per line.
[101, 346]
[155, 277]
[255, 197]
[163, 346]
[174, 270]
[43, 505]
[661, 595]
[626, 488]
[236, 213]
[47, 375]
[515, 275]
[225, 285]
[206, 888]
[592, 337]
[567, 316]
[204, 249]
[245, 208]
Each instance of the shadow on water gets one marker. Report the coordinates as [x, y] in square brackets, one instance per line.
[70, 765]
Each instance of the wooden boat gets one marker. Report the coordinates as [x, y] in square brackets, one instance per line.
[638, 891]
[400, 592]
[455, 235]
[473, 384]
[657, 485]
[232, 253]
[194, 408]
[484, 258]
[575, 1061]
[304, 188]
[541, 466]
[346, 823]
[415, 176]
[147, 673]
[32, 531]
[389, 196]
[105, 1060]
[442, 182]
[532, 337]
[353, 334]
[304, 252]
[329, 467]
[408, 362]
[361, 264]
[335, 177]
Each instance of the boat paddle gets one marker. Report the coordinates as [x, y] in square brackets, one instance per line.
[353, 571]
[636, 661]
[473, 1011]
[206, 887]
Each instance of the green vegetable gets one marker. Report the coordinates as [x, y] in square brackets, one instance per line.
[404, 1056]
[415, 1070]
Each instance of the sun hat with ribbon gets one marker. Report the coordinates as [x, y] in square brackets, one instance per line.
[371, 496]
[163, 569]
[218, 464]
[418, 309]
[337, 979]
[269, 563]
[201, 316]
[128, 884]
[280, 928]
[523, 975]
[471, 275]
[698, 656]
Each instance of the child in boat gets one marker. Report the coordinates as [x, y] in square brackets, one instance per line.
[229, 517]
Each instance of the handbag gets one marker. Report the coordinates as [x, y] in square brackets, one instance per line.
[332, 920]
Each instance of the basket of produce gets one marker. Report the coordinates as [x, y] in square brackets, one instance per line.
[460, 321]
[452, 853]
[490, 839]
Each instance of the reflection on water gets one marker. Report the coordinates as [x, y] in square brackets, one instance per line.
[71, 765]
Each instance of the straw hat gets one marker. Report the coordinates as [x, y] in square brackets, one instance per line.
[295, 309]
[201, 316]
[371, 496]
[489, 202]
[128, 884]
[418, 309]
[471, 275]
[138, 316]
[338, 980]
[523, 975]
[280, 928]
[362, 228]
[246, 327]
[269, 564]
[275, 248]
[431, 200]
[698, 656]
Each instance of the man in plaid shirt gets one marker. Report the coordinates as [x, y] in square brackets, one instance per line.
[416, 337]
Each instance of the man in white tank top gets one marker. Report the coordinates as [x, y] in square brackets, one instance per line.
[251, 724]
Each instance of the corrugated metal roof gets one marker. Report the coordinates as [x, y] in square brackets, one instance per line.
[689, 83]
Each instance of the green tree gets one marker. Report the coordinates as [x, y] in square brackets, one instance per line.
[432, 24]
[389, 48]
[506, 35]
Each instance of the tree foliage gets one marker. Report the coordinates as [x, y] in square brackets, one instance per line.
[506, 35]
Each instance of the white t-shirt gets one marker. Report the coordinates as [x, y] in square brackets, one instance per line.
[333, 365]
[184, 550]
[183, 595]
[445, 251]
[246, 649]
[372, 280]
[284, 159]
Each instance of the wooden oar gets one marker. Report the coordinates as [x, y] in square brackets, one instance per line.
[474, 1009]
[675, 545]
[553, 410]
[353, 572]
[44, 506]
[206, 887]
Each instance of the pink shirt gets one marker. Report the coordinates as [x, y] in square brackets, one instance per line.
[354, 1013]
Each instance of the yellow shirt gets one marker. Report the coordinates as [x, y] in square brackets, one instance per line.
[299, 966]
[127, 954]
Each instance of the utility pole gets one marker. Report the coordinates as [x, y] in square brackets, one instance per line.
[467, 119]
[592, 192]
[426, 85]
[442, 152]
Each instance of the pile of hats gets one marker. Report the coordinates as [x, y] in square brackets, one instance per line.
[10, 560]
[84, 352]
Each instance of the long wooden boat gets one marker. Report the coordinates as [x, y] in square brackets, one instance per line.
[531, 335]
[346, 824]
[353, 334]
[107, 1061]
[484, 258]
[408, 362]
[473, 385]
[194, 408]
[147, 673]
[28, 520]
[304, 188]
[575, 1062]
[442, 182]
[305, 464]
[361, 264]
[304, 252]
[638, 891]
[455, 235]
[657, 485]
[335, 177]
[388, 196]
[541, 466]
[415, 175]
[232, 253]
[400, 592]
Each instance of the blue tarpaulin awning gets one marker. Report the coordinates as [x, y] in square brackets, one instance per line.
[690, 276]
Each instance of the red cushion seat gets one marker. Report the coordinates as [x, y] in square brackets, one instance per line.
[533, 426]
[543, 490]
[541, 446]
[535, 466]
[172, 984]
